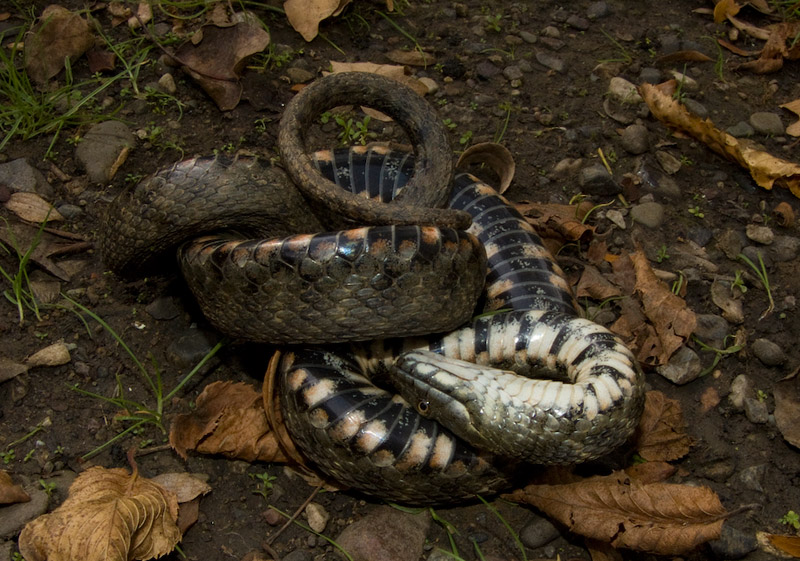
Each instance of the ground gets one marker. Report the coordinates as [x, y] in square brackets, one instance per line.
[498, 79]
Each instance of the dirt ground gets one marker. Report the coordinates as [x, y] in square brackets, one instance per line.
[543, 116]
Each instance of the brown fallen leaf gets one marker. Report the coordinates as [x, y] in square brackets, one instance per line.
[723, 298]
[752, 30]
[784, 544]
[794, 107]
[10, 369]
[659, 518]
[784, 214]
[672, 319]
[496, 156]
[561, 222]
[725, 8]
[229, 419]
[109, 515]
[682, 56]
[709, 399]
[651, 472]
[100, 60]
[594, 285]
[779, 46]
[142, 16]
[416, 57]
[10, 492]
[661, 434]
[392, 71]
[57, 35]
[186, 486]
[215, 63]
[305, 15]
[787, 408]
[32, 208]
[46, 243]
[765, 169]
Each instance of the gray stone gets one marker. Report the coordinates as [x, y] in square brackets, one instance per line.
[753, 253]
[512, 40]
[512, 73]
[635, 139]
[623, 91]
[751, 478]
[733, 543]
[617, 218]
[386, 534]
[741, 388]
[597, 10]
[550, 61]
[167, 84]
[100, 148]
[552, 32]
[17, 515]
[769, 353]
[756, 410]
[69, 211]
[486, 70]
[650, 75]
[696, 108]
[20, 176]
[731, 243]
[684, 366]
[719, 471]
[595, 180]
[669, 163]
[187, 350]
[298, 555]
[700, 235]
[538, 532]
[528, 37]
[525, 65]
[578, 22]
[299, 75]
[784, 248]
[669, 44]
[765, 122]
[163, 308]
[552, 43]
[649, 214]
[760, 234]
[712, 329]
[741, 129]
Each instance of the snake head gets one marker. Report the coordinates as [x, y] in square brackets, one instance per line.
[440, 388]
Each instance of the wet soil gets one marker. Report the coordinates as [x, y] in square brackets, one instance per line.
[543, 116]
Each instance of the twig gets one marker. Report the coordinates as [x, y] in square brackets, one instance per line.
[296, 513]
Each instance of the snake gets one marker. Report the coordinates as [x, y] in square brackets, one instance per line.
[385, 407]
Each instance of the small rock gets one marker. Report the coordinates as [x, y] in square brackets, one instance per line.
[769, 353]
[756, 410]
[669, 163]
[15, 516]
[669, 43]
[512, 73]
[298, 555]
[538, 533]
[190, 349]
[578, 22]
[649, 214]
[525, 65]
[100, 148]
[623, 91]
[718, 471]
[684, 366]
[167, 84]
[731, 243]
[761, 234]
[696, 108]
[429, 83]
[751, 478]
[550, 61]
[741, 387]
[512, 40]
[700, 235]
[597, 10]
[163, 308]
[595, 180]
[741, 129]
[685, 82]
[616, 218]
[650, 75]
[528, 37]
[461, 9]
[552, 32]
[386, 534]
[19, 176]
[635, 139]
[753, 253]
[712, 329]
[272, 517]
[784, 248]
[69, 211]
[299, 75]
[317, 517]
[768, 123]
[567, 167]
[733, 543]
[485, 70]
[552, 43]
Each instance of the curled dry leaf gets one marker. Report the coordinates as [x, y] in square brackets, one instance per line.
[216, 61]
[52, 355]
[10, 492]
[659, 518]
[780, 45]
[661, 434]
[392, 71]
[787, 408]
[651, 472]
[496, 156]
[725, 8]
[561, 222]
[10, 369]
[780, 545]
[229, 419]
[794, 107]
[186, 486]
[110, 515]
[672, 319]
[784, 214]
[32, 208]
[58, 34]
[305, 15]
[721, 296]
[416, 57]
[765, 169]
[594, 285]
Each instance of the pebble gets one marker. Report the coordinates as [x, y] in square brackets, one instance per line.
[696, 108]
[756, 410]
[712, 329]
[187, 350]
[784, 248]
[769, 353]
[69, 211]
[163, 308]
[751, 478]
[19, 176]
[623, 91]
[595, 180]
[768, 123]
[741, 387]
[700, 235]
[528, 37]
[635, 139]
[752, 253]
[741, 129]
[525, 65]
[167, 84]
[687, 83]
[761, 234]
[669, 163]
[731, 243]
[512, 73]
[299, 555]
[552, 32]
[550, 61]
[317, 517]
[733, 543]
[597, 10]
[100, 148]
[386, 534]
[430, 84]
[538, 532]
[273, 517]
[17, 515]
[552, 43]
[649, 214]
[566, 167]
[684, 366]
[650, 75]
[486, 70]
[577, 22]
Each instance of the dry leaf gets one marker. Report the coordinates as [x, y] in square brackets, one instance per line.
[229, 419]
[562, 222]
[11, 493]
[659, 518]
[776, 49]
[763, 167]
[305, 15]
[682, 56]
[394, 72]
[709, 399]
[215, 63]
[59, 34]
[651, 472]
[32, 208]
[143, 15]
[787, 408]
[725, 8]
[794, 107]
[496, 156]
[661, 434]
[52, 355]
[100, 60]
[46, 243]
[110, 515]
[722, 297]
[186, 486]
[672, 319]
[416, 57]
[10, 369]
[784, 544]
[594, 285]
[752, 30]
[784, 214]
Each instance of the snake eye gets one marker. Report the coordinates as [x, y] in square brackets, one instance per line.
[423, 407]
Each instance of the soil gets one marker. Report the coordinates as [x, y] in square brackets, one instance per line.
[544, 118]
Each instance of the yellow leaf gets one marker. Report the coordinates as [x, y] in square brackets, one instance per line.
[724, 8]
[305, 15]
[110, 515]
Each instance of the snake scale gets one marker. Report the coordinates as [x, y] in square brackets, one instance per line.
[530, 382]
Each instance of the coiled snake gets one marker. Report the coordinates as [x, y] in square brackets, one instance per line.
[470, 413]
